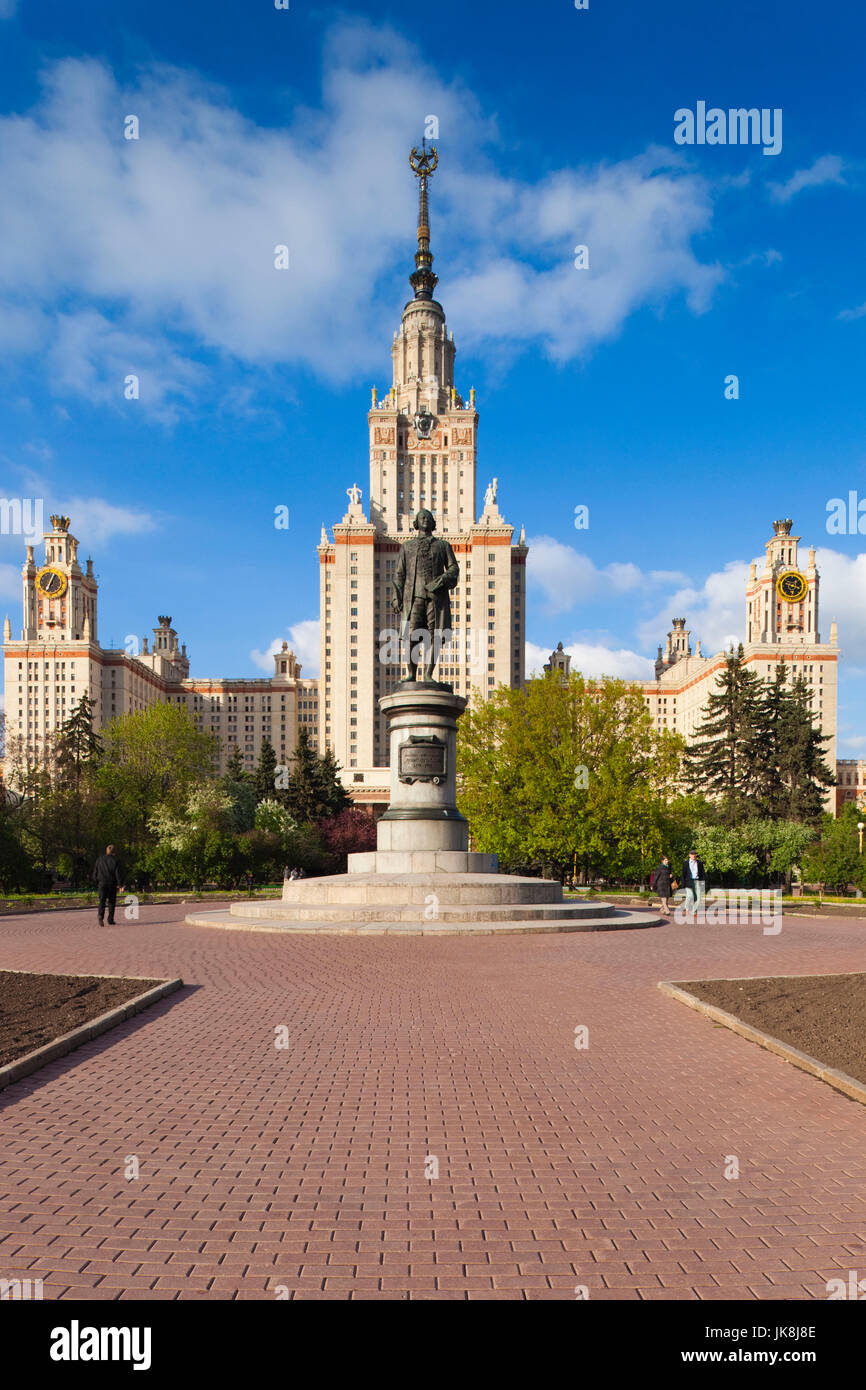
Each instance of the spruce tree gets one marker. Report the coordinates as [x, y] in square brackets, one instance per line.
[803, 772]
[314, 792]
[76, 754]
[729, 744]
[78, 746]
[265, 773]
[769, 790]
[235, 769]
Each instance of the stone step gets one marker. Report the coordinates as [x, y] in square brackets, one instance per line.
[397, 890]
[418, 912]
[617, 920]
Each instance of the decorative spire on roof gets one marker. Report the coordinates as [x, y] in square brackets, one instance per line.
[422, 163]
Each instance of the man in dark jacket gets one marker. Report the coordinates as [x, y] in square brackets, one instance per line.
[108, 876]
[694, 880]
[661, 883]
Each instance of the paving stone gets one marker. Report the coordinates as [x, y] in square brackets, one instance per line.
[307, 1167]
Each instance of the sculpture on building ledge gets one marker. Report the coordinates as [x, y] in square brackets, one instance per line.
[426, 572]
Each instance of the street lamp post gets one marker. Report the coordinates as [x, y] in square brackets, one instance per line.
[861, 826]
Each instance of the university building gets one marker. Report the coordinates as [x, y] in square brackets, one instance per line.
[781, 624]
[58, 658]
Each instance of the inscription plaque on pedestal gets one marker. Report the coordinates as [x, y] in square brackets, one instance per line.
[421, 759]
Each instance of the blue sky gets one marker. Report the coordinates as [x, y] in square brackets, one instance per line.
[602, 387]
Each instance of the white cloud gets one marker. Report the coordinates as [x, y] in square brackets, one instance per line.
[303, 639]
[122, 256]
[593, 659]
[850, 314]
[95, 521]
[714, 613]
[566, 577]
[636, 218]
[827, 169]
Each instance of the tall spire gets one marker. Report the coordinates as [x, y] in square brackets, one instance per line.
[422, 163]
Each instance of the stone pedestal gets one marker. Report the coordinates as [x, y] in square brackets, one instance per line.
[422, 831]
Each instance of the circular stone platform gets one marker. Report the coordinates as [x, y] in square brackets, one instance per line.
[423, 903]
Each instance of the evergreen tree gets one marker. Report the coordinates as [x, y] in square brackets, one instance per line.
[803, 773]
[265, 774]
[731, 748]
[238, 785]
[77, 753]
[235, 769]
[314, 792]
[78, 746]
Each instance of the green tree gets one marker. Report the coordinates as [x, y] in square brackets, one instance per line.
[77, 754]
[315, 791]
[235, 768]
[730, 744]
[753, 853]
[265, 773]
[835, 861]
[152, 757]
[564, 768]
[803, 771]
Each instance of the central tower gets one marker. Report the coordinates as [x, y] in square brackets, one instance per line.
[423, 435]
[423, 453]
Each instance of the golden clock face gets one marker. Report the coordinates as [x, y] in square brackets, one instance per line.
[51, 583]
[791, 586]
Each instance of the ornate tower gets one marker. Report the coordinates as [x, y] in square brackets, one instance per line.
[782, 603]
[422, 444]
[423, 435]
[59, 598]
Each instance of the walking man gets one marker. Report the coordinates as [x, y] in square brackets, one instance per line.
[661, 884]
[694, 880]
[108, 876]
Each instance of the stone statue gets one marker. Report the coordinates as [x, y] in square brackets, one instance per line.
[490, 494]
[426, 572]
[354, 494]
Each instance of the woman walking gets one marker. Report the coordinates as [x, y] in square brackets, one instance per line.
[661, 883]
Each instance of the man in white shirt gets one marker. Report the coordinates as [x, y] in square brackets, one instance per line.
[694, 880]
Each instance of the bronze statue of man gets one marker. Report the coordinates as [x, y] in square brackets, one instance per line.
[426, 572]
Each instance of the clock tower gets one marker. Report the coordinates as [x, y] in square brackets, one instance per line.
[782, 602]
[59, 598]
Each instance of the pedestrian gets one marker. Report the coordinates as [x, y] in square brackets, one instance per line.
[108, 876]
[660, 883]
[694, 880]
[293, 875]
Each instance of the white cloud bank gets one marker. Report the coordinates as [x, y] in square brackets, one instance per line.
[133, 256]
[566, 577]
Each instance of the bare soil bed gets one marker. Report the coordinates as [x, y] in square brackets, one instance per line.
[36, 1009]
[822, 1015]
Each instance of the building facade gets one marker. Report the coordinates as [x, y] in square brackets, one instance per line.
[781, 624]
[423, 451]
[58, 658]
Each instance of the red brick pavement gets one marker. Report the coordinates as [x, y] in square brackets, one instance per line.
[304, 1168]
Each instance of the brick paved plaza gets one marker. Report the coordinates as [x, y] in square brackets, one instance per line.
[305, 1167]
